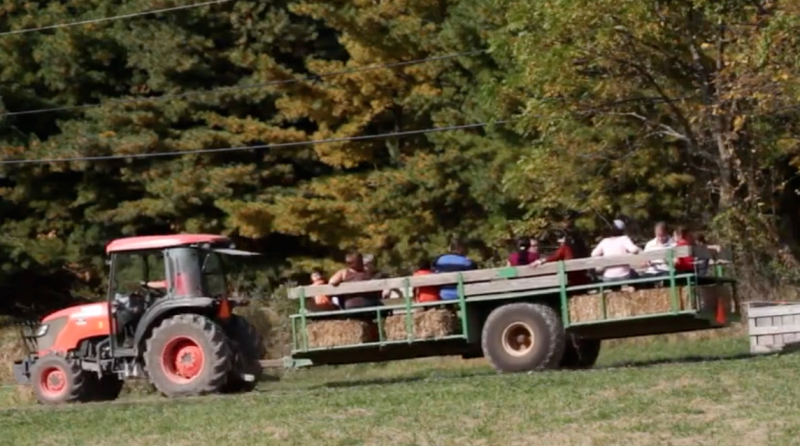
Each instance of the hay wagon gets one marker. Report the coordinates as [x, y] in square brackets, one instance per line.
[519, 318]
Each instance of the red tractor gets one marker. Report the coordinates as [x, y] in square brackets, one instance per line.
[167, 318]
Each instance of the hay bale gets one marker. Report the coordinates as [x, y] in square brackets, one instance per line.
[340, 332]
[431, 324]
[11, 349]
[621, 304]
[23, 395]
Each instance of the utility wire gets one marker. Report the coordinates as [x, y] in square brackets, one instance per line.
[247, 86]
[254, 147]
[106, 19]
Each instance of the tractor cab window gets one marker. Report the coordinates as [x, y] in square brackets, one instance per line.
[196, 272]
[214, 275]
[135, 270]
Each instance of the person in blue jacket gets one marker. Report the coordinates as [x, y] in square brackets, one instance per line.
[453, 262]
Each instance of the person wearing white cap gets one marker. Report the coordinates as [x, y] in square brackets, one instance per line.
[617, 244]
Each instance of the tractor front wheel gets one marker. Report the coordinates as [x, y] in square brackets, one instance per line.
[57, 380]
[188, 354]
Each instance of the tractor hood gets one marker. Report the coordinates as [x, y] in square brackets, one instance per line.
[87, 310]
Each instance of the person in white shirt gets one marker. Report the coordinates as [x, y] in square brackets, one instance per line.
[662, 240]
[618, 244]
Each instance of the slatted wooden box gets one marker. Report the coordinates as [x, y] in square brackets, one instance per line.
[773, 326]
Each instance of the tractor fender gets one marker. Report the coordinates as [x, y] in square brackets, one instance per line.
[166, 307]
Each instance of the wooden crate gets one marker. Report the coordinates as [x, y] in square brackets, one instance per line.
[773, 326]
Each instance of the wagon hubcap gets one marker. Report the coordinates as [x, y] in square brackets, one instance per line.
[518, 339]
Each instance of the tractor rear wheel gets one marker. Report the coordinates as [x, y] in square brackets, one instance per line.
[522, 337]
[580, 353]
[188, 354]
[248, 350]
[57, 380]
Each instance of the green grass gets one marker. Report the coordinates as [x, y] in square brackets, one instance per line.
[725, 401]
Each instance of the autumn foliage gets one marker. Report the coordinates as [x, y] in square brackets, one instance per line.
[685, 111]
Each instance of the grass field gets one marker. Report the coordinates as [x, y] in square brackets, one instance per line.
[656, 394]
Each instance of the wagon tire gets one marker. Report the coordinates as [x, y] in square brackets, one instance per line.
[188, 355]
[248, 349]
[56, 380]
[522, 337]
[580, 353]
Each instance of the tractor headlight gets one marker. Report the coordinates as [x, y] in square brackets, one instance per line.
[41, 331]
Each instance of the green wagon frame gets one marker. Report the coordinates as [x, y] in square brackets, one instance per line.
[482, 292]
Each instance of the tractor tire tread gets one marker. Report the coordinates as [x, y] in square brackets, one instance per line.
[80, 389]
[220, 354]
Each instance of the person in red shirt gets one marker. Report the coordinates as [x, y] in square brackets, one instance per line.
[565, 252]
[684, 238]
[524, 255]
[428, 293]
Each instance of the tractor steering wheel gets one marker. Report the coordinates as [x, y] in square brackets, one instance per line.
[150, 292]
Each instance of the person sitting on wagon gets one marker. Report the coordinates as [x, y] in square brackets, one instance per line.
[452, 262]
[321, 302]
[684, 238]
[372, 273]
[533, 250]
[353, 272]
[703, 264]
[565, 252]
[662, 240]
[617, 244]
[426, 293]
[524, 254]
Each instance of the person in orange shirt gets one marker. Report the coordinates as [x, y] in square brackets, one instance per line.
[427, 293]
[323, 302]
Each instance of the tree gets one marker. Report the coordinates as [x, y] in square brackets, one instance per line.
[399, 198]
[647, 106]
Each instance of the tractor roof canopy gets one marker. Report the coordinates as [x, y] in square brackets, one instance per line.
[164, 241]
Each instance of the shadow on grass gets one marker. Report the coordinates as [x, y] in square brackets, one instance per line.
[676, 361]
[402, 380]
[479, 373]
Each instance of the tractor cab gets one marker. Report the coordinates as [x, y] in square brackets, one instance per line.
[147, 272]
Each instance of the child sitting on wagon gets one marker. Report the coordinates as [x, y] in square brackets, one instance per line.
[427, 293]
[322, 302]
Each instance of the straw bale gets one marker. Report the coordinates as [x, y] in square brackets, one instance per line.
[23, 395]
[621, 304]
[430, 324]
[340, 332]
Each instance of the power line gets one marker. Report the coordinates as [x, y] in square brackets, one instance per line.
[255, 147]
[247, 86]
[106, 19]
